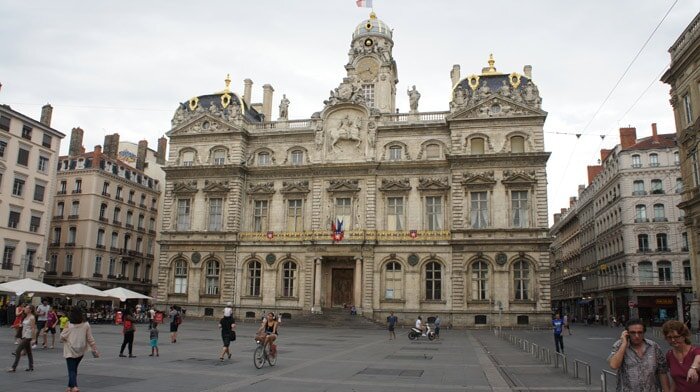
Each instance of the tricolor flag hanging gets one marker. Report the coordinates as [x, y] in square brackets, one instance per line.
[364, 3]
[337, 232]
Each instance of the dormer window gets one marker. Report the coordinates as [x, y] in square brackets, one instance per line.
[395, 153]
[219, 157]
[264, 159]
[188, 158]
[517, 144]
[477, 145]
[297, 157]
[432, 151]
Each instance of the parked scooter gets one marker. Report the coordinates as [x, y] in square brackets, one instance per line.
[416, 333]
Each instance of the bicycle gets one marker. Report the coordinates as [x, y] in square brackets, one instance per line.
[263, 354]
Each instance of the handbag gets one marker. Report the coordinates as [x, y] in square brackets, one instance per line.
[233, 335]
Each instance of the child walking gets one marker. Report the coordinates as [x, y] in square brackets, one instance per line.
[154, 339]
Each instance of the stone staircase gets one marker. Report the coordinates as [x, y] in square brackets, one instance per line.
[333, 318]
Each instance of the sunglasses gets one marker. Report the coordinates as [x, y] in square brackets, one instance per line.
[677, 337]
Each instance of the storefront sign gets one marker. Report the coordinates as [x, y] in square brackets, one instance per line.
[664, 301]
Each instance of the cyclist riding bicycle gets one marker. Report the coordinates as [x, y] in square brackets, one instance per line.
[267, 333]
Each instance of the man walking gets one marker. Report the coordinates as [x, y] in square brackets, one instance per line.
[558, 325]
[42, 312]
[391, 321]
[641, 365]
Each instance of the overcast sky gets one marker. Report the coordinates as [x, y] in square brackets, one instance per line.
[124, 66]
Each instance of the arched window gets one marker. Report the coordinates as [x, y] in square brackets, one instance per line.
[653, 159]
[395, 153]
[517, 144]
[103, 211]
[640, 213]
[433, 281]
[638, 188]
[188, 158]
[180, 277]
[477, 144]
[646, 275]
[393, 281]
[659, 213]
[289, 275]
[432, 151]
[211, 284]
[219, 157]
[264, 159]
[664, 268]
[254, 276]
[636, 161]
[480, 280]
[687, 275]
[521, 280]
[662, 242]
[297, 157]
[643, 242]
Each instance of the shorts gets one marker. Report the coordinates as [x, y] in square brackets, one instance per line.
[40, 325]
[226, 339]
[154, 342]
[52, 330]
[173, 327]
[391, 328]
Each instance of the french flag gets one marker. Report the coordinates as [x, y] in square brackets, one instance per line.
[337, 232]
[364, 3]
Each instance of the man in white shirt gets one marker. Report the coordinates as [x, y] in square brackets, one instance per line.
[42, 312]
[419, 325]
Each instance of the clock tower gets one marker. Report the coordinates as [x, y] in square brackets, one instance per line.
[371, 65]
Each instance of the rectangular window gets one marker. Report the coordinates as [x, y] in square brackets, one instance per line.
[636, 161]
[7, 257]
[78, 186]
[62, 189]
[219, 157]
[23, 157]
[395, 214]
[657, 187]
[295, 220]
[188, 158]
[29, 260]
[46, 140]
[56, 235]
[183, 214]
[5, 123]
[98, 264]
[260, 215]
[100, 238]
[68, 266]
[27, 132]
[3, 146]
[53, 263]
[687, 276]
[433, 213]
[343, 211]
[520, 209]
[664, 272]
[395, 153]
[688, 109]
[34, 224]
[18, 187]
[297, 157]
[13, 221]
[39, 191]
[43, 164]
[368, 91]
[112, 266]
[479, 210]
[72, 235]
[216, 214]
[75, 208]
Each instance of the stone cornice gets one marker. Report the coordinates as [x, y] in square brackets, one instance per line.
[505, 160]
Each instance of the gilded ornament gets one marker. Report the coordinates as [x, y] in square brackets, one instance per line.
[225, 100]
[194, 101]
[473, 82]
[514, 79]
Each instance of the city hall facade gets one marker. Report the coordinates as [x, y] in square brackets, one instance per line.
[419, 213]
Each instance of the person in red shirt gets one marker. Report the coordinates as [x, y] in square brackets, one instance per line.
[683, 359]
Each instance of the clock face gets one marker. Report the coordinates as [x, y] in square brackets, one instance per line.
[367, 69]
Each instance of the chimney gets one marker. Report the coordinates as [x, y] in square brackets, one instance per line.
[76, 142]
[267, 101]
[527, 70]
[628, 137]
[572, 201]
[604, 154]
[563, 211]
[557, 218]
[454, 75]
[592, 172]
[247, 91]
[111, 145]
[141, 155]
[581, 189]
[654, 134]
[162, 146]
[98, 150]
[46, 112]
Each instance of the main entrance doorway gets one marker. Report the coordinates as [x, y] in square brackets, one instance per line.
[341, 286]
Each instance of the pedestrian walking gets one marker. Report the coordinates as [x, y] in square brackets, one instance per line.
[76, 338]
[128, 331]
[228, 310]
[28, 331]
[153, 337]
[51, 322]
[42, 313]
[567, 324]
[437, 327]
[227, 324]
[63, 321]
[558, 325]
[641, 365]
[683, 359]
[175, 321]
[17, 323]
[391, 322]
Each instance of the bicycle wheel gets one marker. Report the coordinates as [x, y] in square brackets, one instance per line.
[271, 359]
[259, 357]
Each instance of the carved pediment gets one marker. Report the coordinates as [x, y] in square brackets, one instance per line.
[344, 186]
[295, 187]
[216, 186]
[433, 184]
[395, 185]
[200, 123]
[515, 178]
[263, 188]
[183, 187]
[479, 180]
[496, 107]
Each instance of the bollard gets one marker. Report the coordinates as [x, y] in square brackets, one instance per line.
[565, 366]
[578, 363]
[535, 350]
[604, 379]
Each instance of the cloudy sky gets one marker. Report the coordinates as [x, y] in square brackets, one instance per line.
[124, 66]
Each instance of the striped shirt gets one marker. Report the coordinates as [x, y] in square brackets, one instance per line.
[640, 374]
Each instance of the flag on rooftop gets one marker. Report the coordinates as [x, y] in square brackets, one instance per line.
[364, 3]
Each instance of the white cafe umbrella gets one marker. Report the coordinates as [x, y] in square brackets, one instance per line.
[123, 294]
[27, 285]
[81, 290]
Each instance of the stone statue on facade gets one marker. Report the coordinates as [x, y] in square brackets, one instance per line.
[484, 90]
[460, 97]
[348, 129]
[504, 91]
[318, 135]
[413, 98]
[179, 116]
[284, 107]
[532, 95]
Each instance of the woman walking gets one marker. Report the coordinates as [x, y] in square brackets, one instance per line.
[683, 359]
[128, 332]
[227, 325]
[28, 331]
[76, 338]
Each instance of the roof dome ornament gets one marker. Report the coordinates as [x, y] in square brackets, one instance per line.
[228, 83]
[226, 97]
[491, 70]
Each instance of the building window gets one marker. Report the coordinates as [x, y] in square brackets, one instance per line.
[343, 211]
[289, 270]
[662, 242]
[140, 223]
[520, 209]
[56, 235]
[395, 153]
[98, 264]
[7, 257]
[297, 157]
[395, 213]
[679, 185]
[74, 208]
[142, 202]
[68, 265]
[18, 187]
[264, 159]
[115, 240]
[72, 235]
[188, 158]
[212, 278]
[636, 161]
[39, 191]
[34, 223]
[477, 145]
[657, 187]
[135, 275]
[687, 276]
[13, 221]
[260, 215]
[684, 241]
[433, 281]
[393, 281]
[295, 220]
[180, 277]
[43, 164]
[3, 147]
[78, 186]
[119, 193]
[100, 238]
[220, 157]
[115, 216]
[112, 266]
[46, 140]
[688, 109]
[479, 210]
[103, 211]
[640, 213]
[433, 212]
[659, 213]
[517, 144]
[653, 160]
[643, 242]
[215, 214]
[521, 279]
[131, 197]
[480, 281]
[676, 158]
[664, 269]
[27, 132]
[53, 263]
[60, 206]
[5, 123]
[368, 92]
[152, 224]
[183, 214]
[29, 260]
[638, 186]
[432, 151]
[23, 157]
[254, 276]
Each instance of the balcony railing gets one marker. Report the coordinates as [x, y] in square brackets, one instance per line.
[684, 249]
[69, 244]
[116, 222]
[657, 192]
[641, 220]
[72, 216]
[106, 194]
[62, 192]
[77, 191]
[643, 250]
[129, 226]
[660, 219]
[636, 165]
[103, 219]
[639, 193]
[119, 198]
[58, 217]
[142, 205]
[154, 209]
[664, 249]
[98, 246]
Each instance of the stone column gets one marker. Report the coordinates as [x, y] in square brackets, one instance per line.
[317, 286]
[357, 280]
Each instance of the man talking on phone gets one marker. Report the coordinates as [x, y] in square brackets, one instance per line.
[641, 365]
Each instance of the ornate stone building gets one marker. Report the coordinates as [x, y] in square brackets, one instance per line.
[435, 212]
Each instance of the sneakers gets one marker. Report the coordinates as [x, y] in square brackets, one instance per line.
[33, 346]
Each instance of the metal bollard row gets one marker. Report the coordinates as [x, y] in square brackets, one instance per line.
[586, 366]
[604, 379]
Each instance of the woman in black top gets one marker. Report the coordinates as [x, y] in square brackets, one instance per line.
[228, 333]
[128, 331]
